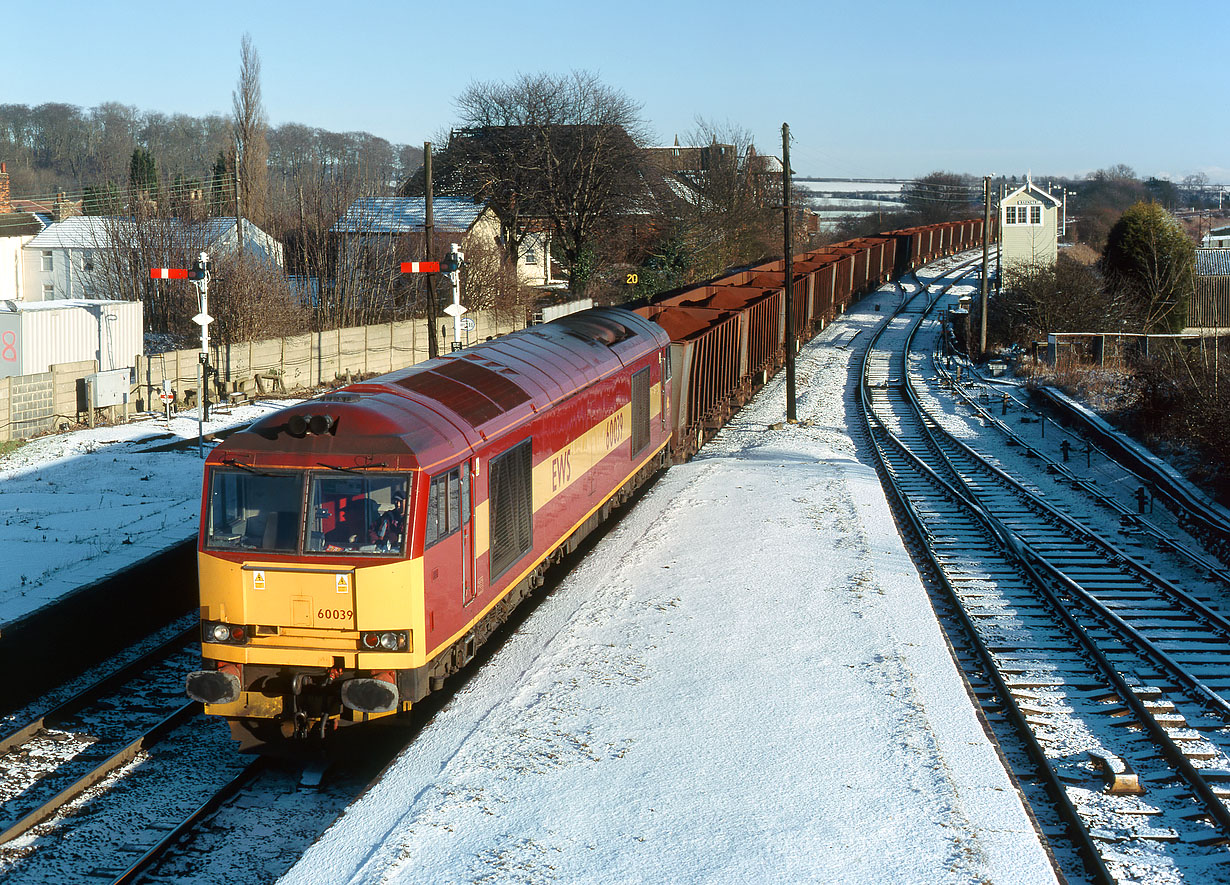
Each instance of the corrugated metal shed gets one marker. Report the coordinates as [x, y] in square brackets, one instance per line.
[1213, 262]
[35, 336]
[400, 215]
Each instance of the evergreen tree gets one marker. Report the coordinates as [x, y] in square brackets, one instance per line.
[1151, 260]
[219, 187]
[104, 199]
[143, 174]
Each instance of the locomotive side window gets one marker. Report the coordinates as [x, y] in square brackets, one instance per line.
[512, 507]
[253, 511]
[443, 506]
[357, 514]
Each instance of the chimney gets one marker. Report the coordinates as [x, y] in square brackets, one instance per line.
[63, 208]
[6, 205]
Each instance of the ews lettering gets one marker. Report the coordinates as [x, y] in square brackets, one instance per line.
[561, 470]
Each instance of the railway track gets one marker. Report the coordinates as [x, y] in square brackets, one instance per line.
[98, 786]
[1115, 676]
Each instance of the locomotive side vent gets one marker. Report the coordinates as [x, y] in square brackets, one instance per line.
[640, 410]
[512, 507]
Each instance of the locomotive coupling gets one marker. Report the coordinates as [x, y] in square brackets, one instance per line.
[374, 695]
[212, 686]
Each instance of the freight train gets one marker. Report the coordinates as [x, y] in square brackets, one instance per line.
[358, 548]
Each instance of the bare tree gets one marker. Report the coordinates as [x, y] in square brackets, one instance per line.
[251, 300]
[1062, 297]
[941, 196]
[249, 127]
[491, 283]
[727, 221]
[563, 149]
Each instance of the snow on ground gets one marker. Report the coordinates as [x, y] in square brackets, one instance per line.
[79, 506]
[743, 682]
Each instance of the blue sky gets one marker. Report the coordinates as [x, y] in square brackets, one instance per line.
[871, 89]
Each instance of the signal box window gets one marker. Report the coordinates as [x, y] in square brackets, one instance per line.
[1035, 214]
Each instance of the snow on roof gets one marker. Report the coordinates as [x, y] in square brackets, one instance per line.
[56, 304]
[95, 231]
[399, 215]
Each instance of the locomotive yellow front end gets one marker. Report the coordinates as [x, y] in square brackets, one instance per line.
[311, 602]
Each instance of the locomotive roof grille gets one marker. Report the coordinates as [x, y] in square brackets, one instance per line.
[472, 391]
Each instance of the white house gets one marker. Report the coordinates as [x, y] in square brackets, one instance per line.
[1217, 238]
[1029, 226]
[372, 219]
[63, 260]
[16, 230]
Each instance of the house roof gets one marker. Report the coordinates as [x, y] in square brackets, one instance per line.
[93, 231]
[1213, 262]
[400, 215]
[1031, 189]
[20, 224]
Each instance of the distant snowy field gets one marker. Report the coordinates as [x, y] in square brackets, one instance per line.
[834, 200]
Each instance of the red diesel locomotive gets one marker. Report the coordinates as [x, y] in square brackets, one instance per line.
[357, 548]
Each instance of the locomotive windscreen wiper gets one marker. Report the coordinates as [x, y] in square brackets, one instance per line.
[231, 462]
[358, 468]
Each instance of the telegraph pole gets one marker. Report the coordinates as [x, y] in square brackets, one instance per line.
[788, 289]
[986, 243]
[429, 228]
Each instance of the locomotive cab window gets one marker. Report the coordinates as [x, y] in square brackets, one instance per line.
[357, 514]
[252, 511]
[448, 505]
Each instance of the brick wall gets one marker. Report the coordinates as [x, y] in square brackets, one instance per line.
[31, 405]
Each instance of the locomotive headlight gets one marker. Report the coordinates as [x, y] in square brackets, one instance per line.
[387, 640]
[213, 631]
